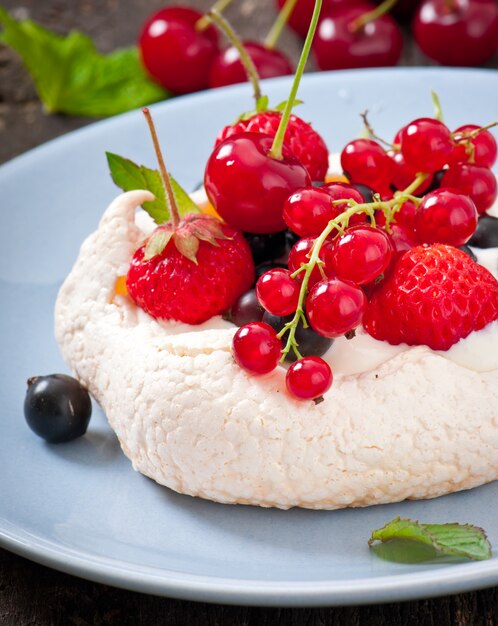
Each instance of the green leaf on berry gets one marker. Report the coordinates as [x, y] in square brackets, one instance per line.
[157, 242]
[129, 176]
[281, 105]
[186, 244]
[72, 77]
[461, 540]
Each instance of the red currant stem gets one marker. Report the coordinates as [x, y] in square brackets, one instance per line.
[371, 16]
[168, 189]
[371, 132]
[438, 111]
[278, 142]
[205, 21]
[245, 59]
[279, 24]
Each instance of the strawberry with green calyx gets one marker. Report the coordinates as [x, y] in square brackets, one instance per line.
[190, 268]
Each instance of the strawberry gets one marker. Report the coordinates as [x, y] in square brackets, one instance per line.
[191, 271]
[304, 142]
[434, 296]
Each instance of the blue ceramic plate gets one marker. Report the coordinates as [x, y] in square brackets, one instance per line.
[80, 507]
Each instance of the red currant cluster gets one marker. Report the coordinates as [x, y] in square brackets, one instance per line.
[348, 242]
[357, 33]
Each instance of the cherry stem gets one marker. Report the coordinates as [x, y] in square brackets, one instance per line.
[205, 21]
[438, 110]
[371, 132]
[340, 223]
[245, 59]
[168, 189]
[279, 24]
[371, 16]
[278, 141]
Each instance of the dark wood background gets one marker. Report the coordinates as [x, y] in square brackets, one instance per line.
[33, 595]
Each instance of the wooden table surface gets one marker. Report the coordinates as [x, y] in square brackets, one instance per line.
[33, 595]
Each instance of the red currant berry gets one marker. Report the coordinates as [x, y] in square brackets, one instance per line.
[335, 307]
[277, 292]
[308, 211]
[366, 162]
[403, 175]
[343, 191]
[459, 32]
[446, 216]
[300, 254]
[308, 378]
[227, 68]
[479, 150]
[256, 348]
[362, 254]
[479, 183]
[426, 144]
[247, 187]
[174, 52]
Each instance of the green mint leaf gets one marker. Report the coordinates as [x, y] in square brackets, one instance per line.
[72, 77]
[129, 176]
[463, 540]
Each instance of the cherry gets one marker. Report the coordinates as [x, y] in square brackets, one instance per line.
[403, 10]
[300, 254]
[335, 307]
[277, 292]
[308, 378]
[227, 68]
[426, 144]
[247, 187]
[479, 183]
[174, 52]
[340, 44]
[246, 309]
[402, 174]
[256, 348]
[457, 32]
[366, 162]
[446, 216]
[479, 150]
[362, 254]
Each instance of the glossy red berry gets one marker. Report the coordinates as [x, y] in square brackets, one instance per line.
[479, 183]
[459, 32]
[446, 216]
[227, 68]
[479, 150]
[300, 17]
[339, 44]
[402, 175]
[277, 292]
[174, 52]
[426, 144]
[335, 307]
[308, 378]
[256, 348]
[300, 254]
[343, 191]
[247, 187]
[366, 162]
[308, 211]
[362, 254]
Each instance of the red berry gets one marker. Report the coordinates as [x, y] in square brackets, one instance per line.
[366, 162]
[446, 216]
[300, 138]
[256, 348]
[343, 191]
[277, 292]
[434, 296]
[308, 211]
[248, 188]
[300, 17]
[362, 254]
[335, 307]
[300, 254]
[227, 68]
[172, 286]
[402, 175]
[479, 150]
[339, 45]
[426, 144]
[479, 183]
[174, 52]
[309, 378]
[460, 32]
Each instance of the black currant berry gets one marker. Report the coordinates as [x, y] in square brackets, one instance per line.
[468, 252]
[366, 191]
[264, 267]
[309, 342]
[246, 309]
[57, 407]
[266, 247]
[486, 233]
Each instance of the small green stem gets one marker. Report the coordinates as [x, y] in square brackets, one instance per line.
[278, 142]
[438, 111]
[464, 136]
[205, 21]
[279, 24]
[370, 16]
[247, 62]
[168, 189]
